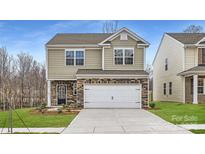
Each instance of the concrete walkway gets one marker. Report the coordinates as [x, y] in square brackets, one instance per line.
[193, 126]
[35, 130]
[134, 121]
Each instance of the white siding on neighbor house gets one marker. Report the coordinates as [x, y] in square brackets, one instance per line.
[57, 68]
[130, 43]
[174, 51]
[191, 57]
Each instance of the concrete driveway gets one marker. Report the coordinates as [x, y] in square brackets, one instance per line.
[136, 121]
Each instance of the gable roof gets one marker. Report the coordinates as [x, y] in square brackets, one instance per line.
[78, 38]
[194, 70]
[92, 38]
[187, 38]
[130, 33]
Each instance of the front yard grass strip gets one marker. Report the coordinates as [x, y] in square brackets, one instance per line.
[178, 113]
[36, 120]
[197, 131]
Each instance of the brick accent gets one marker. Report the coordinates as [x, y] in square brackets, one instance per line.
[70, 96]
[143, 81]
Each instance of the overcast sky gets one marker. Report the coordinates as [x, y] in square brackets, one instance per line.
[31, 36]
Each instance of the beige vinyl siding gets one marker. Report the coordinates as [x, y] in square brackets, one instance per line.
[117, 43]
[191, 57]
[174, 51]
[57, 68]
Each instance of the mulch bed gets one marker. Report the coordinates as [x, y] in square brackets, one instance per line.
[156, 108]
[45, 112]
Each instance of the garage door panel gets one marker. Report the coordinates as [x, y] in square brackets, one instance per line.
[112, 96]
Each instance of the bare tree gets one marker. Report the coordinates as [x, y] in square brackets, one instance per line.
[24, 66]
[194, 29]
[22, 81]
[110, 26]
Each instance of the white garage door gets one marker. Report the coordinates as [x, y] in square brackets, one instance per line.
[112, 96]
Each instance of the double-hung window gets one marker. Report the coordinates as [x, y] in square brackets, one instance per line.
[170, 88]
[118, 56]
[124, 56]
[166, 64]
[75, 57]
[200, 86]
[203, 55]
[164, 89]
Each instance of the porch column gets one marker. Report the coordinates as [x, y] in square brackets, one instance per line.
[49, 93]
[195, 89]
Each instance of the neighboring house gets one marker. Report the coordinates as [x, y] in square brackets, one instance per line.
[97, 70]
[179, 68]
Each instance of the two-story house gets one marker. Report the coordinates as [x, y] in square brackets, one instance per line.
[179, 68]
[97, 70]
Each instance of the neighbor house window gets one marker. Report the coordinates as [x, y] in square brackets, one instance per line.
[164, 87]
[200, 86]
[124, 56]
[170, 88]
[166, 64]
[203, 55]
[74, 88]
[75, 57]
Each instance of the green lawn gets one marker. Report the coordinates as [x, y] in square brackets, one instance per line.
[36, 120]
[200, 131]
[179, 113]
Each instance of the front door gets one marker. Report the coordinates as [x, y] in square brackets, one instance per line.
[61, 90]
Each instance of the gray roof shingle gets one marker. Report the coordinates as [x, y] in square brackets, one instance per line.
[111, 72]
[194, 70]
[187, 38]
[78, 38]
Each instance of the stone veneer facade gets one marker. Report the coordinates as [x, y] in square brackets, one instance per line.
[70, 97]
[143, 81]
[80, 89]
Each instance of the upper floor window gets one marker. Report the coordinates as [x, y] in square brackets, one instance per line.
[166, 64]
[124, 56]
[203, 55]
[75, 57]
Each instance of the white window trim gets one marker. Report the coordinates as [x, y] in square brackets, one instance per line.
[166, 64]
[170, 88]
[165, 89]
[57, 92]
[76, 49]
[74, 88]
[123, 56]
[203, 88]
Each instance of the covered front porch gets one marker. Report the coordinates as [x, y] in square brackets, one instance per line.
[194, 84]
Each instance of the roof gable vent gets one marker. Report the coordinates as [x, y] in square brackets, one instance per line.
[123, 36]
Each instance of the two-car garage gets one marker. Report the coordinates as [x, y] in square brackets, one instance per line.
[112, 95]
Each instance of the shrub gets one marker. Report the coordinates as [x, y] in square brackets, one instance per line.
[65, 106]
[152, 105]
[41, 108]
[59, 110]
[43, 105]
